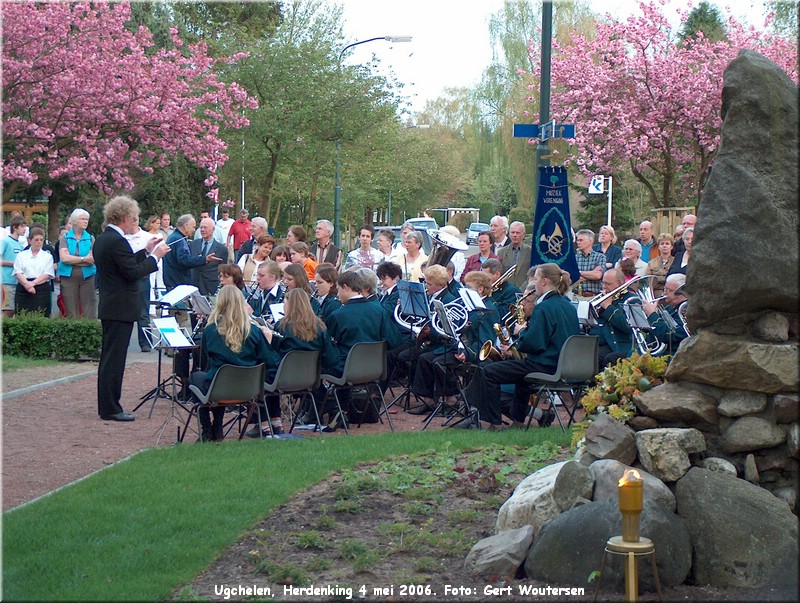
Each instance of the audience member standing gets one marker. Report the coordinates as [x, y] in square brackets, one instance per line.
[682, 258]
[33, 269]
[516, 254]
[165, 225]
[475, 261]
[76, 268]
[498, 226]
[591, 264]
[118, 273]
[659, 266]
[633, 250]
[239, 232]
[12, 245]
[608, 246]
[258, 229]
[646, 240]
[223, 227]
[322, 249]
[364, 255]
[206, 276]
[688, 221]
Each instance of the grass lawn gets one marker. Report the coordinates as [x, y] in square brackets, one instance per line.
[139, 529]
[15, 363]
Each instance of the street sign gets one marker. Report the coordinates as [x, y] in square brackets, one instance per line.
[553, 131]
[596, 185]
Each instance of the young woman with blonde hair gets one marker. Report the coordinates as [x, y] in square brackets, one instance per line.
[228, 338]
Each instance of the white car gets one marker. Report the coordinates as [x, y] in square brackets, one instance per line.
[474, 230]
[428, 223]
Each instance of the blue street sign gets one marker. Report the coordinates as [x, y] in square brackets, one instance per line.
[532, 131]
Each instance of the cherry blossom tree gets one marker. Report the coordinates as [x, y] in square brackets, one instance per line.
[86, 101]
[644, 102]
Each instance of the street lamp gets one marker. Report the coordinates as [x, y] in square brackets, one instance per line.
[337, 189]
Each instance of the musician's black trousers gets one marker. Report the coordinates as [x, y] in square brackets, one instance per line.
[483, 392]
[433, 375]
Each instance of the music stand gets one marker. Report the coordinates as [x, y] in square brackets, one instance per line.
[413, 300]
[450, 333]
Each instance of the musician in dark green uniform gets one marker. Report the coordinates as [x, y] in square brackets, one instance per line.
[551, 321]
[670, 332]
[616, 338]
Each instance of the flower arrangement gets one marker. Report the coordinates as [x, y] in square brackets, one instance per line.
[618, 385]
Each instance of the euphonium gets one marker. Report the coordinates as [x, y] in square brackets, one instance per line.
[597, 300]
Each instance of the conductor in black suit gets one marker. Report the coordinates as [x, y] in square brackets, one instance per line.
[206, 277]
[118, 274]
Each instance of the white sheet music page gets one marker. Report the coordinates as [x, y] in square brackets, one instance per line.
[178, 294]
[471, 299]
[171, 333]
[277, 312]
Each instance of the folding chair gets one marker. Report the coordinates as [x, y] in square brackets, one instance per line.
[298, 373]
[365, 365]
[576, 371]
[231, 386]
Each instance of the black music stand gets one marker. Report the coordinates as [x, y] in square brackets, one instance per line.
[413, 301]
[462, 410]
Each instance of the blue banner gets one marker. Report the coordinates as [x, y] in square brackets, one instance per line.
[552, 233]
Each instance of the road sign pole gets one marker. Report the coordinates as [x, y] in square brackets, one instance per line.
[609, 200]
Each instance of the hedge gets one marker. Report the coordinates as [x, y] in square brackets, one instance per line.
[34, 336]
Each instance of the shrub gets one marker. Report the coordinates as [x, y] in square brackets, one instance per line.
[34, 336]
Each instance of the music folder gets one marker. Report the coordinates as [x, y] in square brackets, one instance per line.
[177, 295]
[413, 299]
[171, 333]
[472, 300]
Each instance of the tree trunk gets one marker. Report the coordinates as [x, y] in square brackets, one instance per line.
[52, 216]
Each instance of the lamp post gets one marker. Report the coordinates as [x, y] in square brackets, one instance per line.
[337, 189]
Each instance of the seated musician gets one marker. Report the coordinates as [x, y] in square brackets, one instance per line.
[506, 293]
[370, 279]
[670, 334]
[269, 291]
[231, 274]
[436, 288]
[228, 338]
[325, 278]
[429, 379]
[295, 277]
[453, 285]
[299, 329]
[552, 319]
[616, 340]
[388, 274]
[358, 320]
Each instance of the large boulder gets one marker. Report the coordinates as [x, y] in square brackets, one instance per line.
[607, 472]
[544, 494]
[675, 404]
[665, 452]
[501, 554]
[736, 362]
[751, 433]
[753, 185]
[742, 536]
[570, 547]
[607, 438]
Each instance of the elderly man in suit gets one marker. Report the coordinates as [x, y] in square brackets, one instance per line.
[206, 276]
[517, 253]
[498, 226]
[118, 273]
[258, 228]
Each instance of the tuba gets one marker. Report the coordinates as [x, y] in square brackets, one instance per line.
[444, 247]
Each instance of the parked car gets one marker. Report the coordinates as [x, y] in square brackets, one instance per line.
[474, 230]
[428, 223]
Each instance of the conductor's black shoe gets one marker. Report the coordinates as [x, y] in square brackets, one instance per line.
[422, 409]
[120, 416]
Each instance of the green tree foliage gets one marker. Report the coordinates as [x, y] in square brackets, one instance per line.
[785, 17]
[704, 18]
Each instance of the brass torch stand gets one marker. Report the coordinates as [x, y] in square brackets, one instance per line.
[631, 551]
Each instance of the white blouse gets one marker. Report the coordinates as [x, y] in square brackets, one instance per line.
[32, 266]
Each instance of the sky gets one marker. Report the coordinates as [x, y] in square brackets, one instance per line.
[450, 45]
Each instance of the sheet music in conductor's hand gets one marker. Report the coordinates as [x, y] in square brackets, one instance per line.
[171, 333]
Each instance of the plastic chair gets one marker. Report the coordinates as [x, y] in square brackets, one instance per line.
[576, 371]
[365, 365]
[298, 373]
[231, 386]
